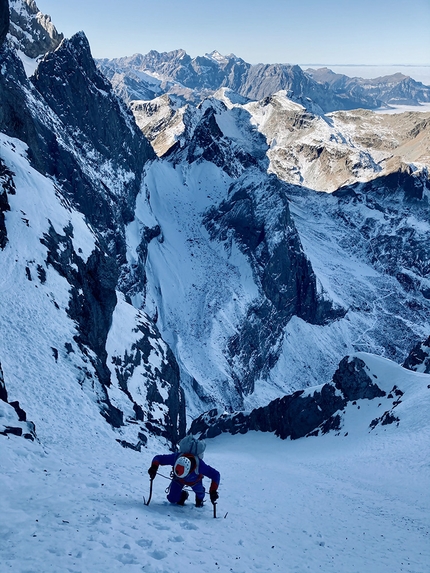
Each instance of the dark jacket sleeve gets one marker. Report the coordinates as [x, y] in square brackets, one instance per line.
[211, 473]
[165, 460]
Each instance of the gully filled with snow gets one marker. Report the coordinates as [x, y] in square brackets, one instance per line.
[352, 502]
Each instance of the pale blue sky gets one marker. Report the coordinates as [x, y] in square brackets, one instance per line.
[269, 31]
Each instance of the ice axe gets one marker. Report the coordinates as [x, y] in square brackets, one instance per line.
[150, 492]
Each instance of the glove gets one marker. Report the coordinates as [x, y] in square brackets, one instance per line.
[153, 471]
[213, 495]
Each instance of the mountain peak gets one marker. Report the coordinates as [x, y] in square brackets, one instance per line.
[215, 56]
[31, 31]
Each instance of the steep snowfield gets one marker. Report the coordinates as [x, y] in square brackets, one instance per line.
[45, 368]
[200, 291]
[33, 310]
[355, 502]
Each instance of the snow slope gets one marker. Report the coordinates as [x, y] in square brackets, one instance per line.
[346, 503]
[44, 367]
[199, 292]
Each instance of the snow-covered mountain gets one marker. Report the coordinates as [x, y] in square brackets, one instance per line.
[237, 286]
[71, 167]
[150, 281]
[367, 243]
[142, 77]
[396, 89]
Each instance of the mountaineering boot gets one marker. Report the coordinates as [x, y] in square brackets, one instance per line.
[184, 497]
[199, 502]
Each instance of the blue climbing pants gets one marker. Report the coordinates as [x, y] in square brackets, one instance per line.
[176, 488]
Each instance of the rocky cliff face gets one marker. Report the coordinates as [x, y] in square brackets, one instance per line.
[419, 358]
[4, 20]
[312, 412]
[86, 161]
[96, 120]
[256, 217]
[31, 31]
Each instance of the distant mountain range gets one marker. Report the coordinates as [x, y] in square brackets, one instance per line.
[143, 77]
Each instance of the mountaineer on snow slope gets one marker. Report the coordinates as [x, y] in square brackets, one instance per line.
[189, 469]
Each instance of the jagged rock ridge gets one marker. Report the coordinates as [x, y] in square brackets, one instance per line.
[395, 89]
[31, 31]
[312, 412]
[72, 128]
[147, 76]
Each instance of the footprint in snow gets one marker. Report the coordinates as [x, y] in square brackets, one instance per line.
[92, 484]
[145, 543]
[161, 527]
[176, 539]
[188, 525]
[157, 554]
[127, 559]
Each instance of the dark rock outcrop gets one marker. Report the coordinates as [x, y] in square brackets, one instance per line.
[302, 413]
[92, 293]
[419, 358]
[3, 392]
[16, 117]
[293, 416]
[13, 419]
[257, 217]
[7, 186]
[354, 382]
[4, 20]
[157, 414]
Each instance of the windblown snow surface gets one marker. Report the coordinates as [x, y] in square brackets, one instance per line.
[353, 502]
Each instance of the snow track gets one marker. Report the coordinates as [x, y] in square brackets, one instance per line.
[320, 504]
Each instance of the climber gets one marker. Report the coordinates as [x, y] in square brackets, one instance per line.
[188, 470]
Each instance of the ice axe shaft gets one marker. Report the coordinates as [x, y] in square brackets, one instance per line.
[150, 492]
